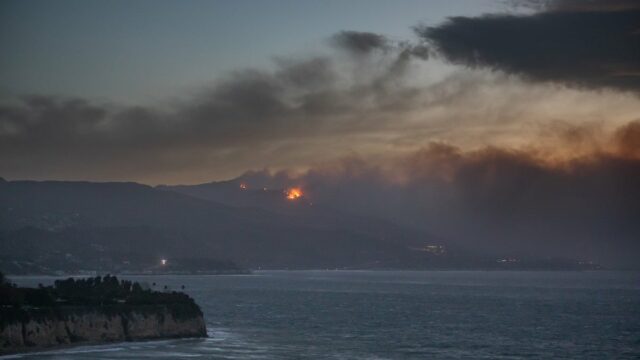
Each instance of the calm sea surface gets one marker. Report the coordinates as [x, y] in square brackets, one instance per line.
[397, 315]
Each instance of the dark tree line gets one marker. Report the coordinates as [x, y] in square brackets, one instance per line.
[95, 291]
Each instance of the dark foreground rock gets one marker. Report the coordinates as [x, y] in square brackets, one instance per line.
[34, 320]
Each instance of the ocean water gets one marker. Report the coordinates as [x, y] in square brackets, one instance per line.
[397, 315]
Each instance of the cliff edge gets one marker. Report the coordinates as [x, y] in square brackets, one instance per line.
[94, 310]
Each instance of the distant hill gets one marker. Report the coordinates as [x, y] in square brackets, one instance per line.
[302, 211]
[83, 224]
[426, 251]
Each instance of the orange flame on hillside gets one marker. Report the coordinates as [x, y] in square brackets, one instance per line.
[293, 193]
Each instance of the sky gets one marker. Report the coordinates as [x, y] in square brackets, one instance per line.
[166, 92]
[145, 51]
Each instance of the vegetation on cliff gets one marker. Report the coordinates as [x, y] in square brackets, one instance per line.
[108, 294]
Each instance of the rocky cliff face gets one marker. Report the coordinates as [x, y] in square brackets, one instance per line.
[38, 328]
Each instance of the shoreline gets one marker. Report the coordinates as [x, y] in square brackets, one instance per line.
[59, 348]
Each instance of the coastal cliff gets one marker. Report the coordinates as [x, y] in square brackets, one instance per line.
[36, 324]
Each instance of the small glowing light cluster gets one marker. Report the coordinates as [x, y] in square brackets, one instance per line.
[163, 262]
[293, 193]
[243, 186]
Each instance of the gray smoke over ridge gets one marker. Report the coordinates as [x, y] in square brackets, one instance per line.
[495, 200]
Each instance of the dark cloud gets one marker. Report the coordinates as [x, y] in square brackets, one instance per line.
[579, 5]
[365, 43]
[360, 42]
[420, 51]
[585, 44]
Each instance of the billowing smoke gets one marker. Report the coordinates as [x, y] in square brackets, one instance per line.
[495, 199]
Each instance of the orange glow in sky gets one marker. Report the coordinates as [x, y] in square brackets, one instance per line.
[294, 193]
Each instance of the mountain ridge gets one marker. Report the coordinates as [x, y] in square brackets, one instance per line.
[139, 216]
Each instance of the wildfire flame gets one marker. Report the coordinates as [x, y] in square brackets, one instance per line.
[293, 193]
[243, 186]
